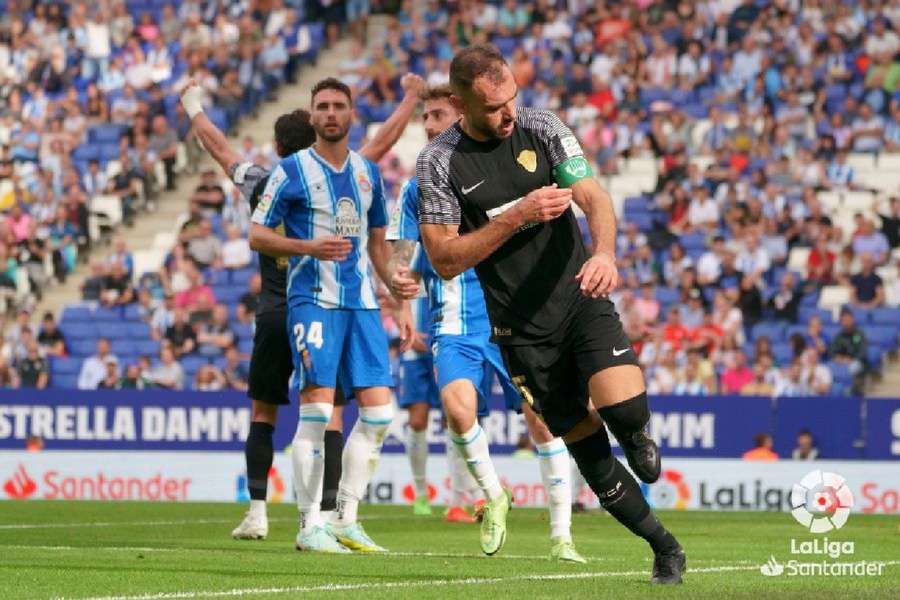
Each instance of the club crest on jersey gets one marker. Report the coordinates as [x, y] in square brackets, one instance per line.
[364, 184]
[528, 160]
[346, 219]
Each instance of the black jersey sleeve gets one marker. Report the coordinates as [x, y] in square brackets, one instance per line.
[560, 142]
[247, 176]
[438, 203]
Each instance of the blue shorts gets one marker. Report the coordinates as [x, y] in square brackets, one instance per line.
[477, 359]
[417, 383]
[332, 345]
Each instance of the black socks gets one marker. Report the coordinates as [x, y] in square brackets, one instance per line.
[617, 490]
[334, 448]
[258, 452]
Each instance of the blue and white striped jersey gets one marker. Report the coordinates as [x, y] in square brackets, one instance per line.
[314, 200]
[457, 305]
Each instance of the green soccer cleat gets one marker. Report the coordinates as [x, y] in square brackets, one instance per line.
[422, 507]
[563, 550]
[319, 539]
[493, 524]
[353, 536]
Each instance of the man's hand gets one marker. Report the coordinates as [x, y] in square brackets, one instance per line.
[331, 248]
[543, 204]
[403, 285]
[598, 275]
[192, 98]
[412, 85]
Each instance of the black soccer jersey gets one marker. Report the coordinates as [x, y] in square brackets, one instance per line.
[529, 282]
[251, 179]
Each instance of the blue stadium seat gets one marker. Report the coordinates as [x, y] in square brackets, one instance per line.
[132, 312]
[86, 152]
[229, 295]
[123, 347]
[243, 331]
[885, 316]
[773, 331]
[637, 204]
[644, 221]
[148, 347]
[241, 277]
[666, 295]
[861, 315]
[693, 240]
[78, 331]
[76, 314]
[806, 313]
[884, 336]
[216, 277]
[783, 354]
[109, 152]
[876, 357]
[66, 382]
[245, 346]
[840, 372]
[83, 348]
[107, 315]
[105, 134]
[193, 363]
[138, 331]
[64, 366]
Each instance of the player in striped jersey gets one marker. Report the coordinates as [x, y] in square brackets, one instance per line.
[466, 362]
[331, 203]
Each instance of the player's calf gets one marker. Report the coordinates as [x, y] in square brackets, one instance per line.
[621, 496]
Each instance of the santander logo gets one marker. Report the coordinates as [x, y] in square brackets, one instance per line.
[20, 486]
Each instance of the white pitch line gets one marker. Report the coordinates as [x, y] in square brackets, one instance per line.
[160, 523]
[342, 587]
[534, 557]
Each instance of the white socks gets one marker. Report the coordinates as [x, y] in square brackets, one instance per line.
[473, 446]
[258, 508]
[361, 453]
[554, 462]
[308, 461]
[463, 487]
[417, 449]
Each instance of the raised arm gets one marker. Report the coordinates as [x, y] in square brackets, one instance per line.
[212, 139]
[391, 130]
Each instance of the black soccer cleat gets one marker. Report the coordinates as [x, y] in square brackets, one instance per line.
[669, 567]
[643, 457]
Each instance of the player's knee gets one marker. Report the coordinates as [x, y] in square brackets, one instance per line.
[615, 384]
[628, 416]
[317, 394]
[460, 405]
[263, 412]
[418, 416]
[538, 430]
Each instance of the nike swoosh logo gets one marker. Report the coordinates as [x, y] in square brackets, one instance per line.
[619, 352]
[470, 189]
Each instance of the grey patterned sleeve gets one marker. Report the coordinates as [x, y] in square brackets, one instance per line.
[438, 204]
[246, 176]
[561, 143]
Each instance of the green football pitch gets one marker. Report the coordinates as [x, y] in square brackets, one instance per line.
[160, 551]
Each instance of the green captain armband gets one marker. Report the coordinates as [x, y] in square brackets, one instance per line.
[568, 172]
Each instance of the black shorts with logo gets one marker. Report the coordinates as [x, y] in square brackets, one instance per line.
[271, 364]
[553, 377]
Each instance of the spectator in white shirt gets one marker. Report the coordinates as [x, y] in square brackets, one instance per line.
[815, 375]
[753, 260]
[709, 265]
[882, 41]
[868, 129]
[703, 213]
[581, 115]
[236, 251]
[694, 66]
[93, 369]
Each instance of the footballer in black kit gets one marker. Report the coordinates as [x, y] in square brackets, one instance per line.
[494, 193]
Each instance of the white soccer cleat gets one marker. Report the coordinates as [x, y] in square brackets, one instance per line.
[319, 539]
[253, 527]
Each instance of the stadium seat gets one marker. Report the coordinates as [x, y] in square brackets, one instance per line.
[885, 316]
[64, 381]
[797, 259]
[243, 331]
[132, 313]
[216, 277]
[138, 331]
[772, 330]
[76, 313]
[82, 348]
[148, 347]
[882, 336]
[241, 277]
[666, 295]
[103, 314]
[840, 372]
[64, 366]
[78, 330]
[783, 354]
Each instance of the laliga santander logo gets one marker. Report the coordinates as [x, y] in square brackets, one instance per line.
[20, 486]
[821, 501]
[671, 491]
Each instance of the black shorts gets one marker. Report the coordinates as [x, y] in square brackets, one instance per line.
[271, 364]
[553, 377]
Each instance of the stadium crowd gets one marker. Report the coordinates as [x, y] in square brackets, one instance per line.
[749, 114]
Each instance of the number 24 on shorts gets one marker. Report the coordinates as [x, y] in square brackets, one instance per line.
[313, 336]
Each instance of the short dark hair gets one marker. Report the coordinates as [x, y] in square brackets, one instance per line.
[473, 62]
[293, 132]
[332, 83]
[435, 92]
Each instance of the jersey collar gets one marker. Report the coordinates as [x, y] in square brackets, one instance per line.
[327, 164]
